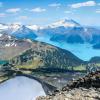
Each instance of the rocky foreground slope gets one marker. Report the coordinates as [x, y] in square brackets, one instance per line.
[86, 88]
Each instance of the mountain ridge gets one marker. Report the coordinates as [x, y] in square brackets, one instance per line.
[60, 31]
[33, 54]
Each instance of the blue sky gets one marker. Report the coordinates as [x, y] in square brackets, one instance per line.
[44, 12]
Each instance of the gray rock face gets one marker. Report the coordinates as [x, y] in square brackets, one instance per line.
[87, 88]
[75, 94]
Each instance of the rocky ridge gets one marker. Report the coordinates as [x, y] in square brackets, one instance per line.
[86, 88]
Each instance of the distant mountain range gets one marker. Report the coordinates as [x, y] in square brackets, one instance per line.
[67, 30]
[71, 32]
[95, 60]
[18, 31]
[18, 46]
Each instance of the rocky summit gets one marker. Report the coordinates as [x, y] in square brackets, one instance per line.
[86, 88]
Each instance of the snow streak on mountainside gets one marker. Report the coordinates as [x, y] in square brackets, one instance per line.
[65, 23]
[3, 27]
[33, 27]
[19, 31]
[24, 32]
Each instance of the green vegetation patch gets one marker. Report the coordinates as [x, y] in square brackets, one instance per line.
[31, 64]
[80, 68]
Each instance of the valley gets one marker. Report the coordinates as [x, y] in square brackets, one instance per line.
[47, 55]
[49, 49]
[66, 34]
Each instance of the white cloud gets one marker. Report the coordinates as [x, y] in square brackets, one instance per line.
[23, 17]
[13, 10]
[83, 4]
[38, 10]
[1, 4]
[2, 14]
[55, 5]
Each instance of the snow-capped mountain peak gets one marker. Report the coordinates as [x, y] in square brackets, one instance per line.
[3, 26]
[65, 23]
[33, 27]
[14, 27]
[24, 33]
[22, 28]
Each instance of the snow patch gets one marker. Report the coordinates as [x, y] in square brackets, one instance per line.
[65, 23]
[33, 27]
[0, 35]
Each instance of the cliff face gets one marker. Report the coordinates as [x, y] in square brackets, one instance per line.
[86, 88]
